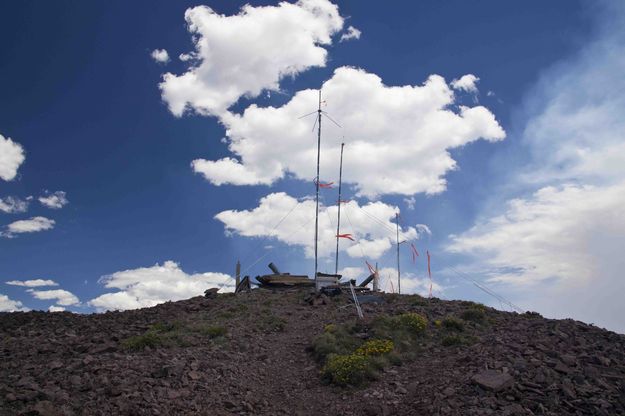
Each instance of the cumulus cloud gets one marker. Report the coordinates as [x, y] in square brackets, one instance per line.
[11, 157]
[557, 248]
[465, 83]
[551, 234]
[247, 53]
[370, 225]
[405, 131]
[160, 55]
[9, 305]
[32, 283]
[149, 286]
[32, 225]
[55, 200]
[410, 283]
[350, 33]
[13, 205]
[56, 308]
[62, 297]
[410, 202]
[350, 273]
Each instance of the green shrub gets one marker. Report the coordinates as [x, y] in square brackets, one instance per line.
[351, 369]
[339, 342]
[140, 342]
[214, 331]
[474, 314]
[452, 340]
[273, 323]
[413, 321]
[375, 347]
[453, 324]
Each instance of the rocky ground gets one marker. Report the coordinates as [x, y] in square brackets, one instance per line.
[250, 354]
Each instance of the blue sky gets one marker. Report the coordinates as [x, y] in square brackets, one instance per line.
[120, 184]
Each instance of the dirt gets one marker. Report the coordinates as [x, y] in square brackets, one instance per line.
[508, 364]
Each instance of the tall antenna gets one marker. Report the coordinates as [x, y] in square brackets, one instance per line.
[317, 184]
[398, 243]
[318, 124]
[319, 112]
[338, 222]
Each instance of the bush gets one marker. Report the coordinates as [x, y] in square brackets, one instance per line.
[352, 369]
[453, 324]
[330, 328]
[452, 340]
[412, 321]
[215, 331]
[474, 314]
[139, 342]
[340, 342]
[375, 347]
[273, 323]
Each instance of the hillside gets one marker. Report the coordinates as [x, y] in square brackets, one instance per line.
[253, 354]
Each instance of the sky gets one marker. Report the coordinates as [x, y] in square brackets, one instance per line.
[145, 147]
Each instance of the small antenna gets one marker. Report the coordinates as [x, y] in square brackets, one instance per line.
[338, 222]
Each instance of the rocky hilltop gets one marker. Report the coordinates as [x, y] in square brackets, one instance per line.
[291, 353]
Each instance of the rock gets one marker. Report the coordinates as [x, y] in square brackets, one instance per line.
[449, 391]
[211, 293]
[46, 408]
[568, 359]
[562, 368]
[75, 380]
[55, 365]
[493, 380]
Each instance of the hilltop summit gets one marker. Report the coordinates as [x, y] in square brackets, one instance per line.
[262, 352]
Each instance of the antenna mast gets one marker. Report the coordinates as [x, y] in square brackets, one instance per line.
[338, 222]
[317, 185]
[398, 272]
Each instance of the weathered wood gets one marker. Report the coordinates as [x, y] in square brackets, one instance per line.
[367, 280]
[244, 284]
[274, 268]
[284, 280]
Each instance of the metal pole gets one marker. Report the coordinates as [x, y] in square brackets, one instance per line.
[317, 186]
[338, 222]
[398, 272]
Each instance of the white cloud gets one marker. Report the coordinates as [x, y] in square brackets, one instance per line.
[56, 308]
[149, 286]
[185, 57]
[350, 33]
[554, 233]
[32, 283]
[404, 132]
[160, 55]
[369, 225]
[558, 248]
[62, 297]
[465, 83]
[9, 305]
[13, 205]
[410, 283]
[11, 157]
[54, 200]
[32, 225]
[247, 53]
[350, 273]
[410, 202]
